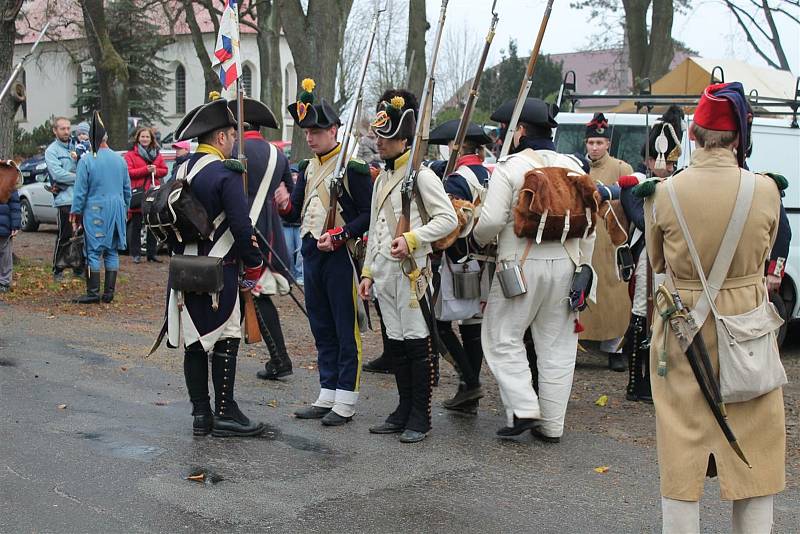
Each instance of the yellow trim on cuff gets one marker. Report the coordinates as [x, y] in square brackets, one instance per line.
[366, 272]
[411, 241]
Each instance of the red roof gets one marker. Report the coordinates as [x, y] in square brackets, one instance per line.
[67, 20]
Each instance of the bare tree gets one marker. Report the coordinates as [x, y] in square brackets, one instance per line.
[112, 72]
[269, 58]
[315, 37]
[9, 9]
[757, 19]
[387, 68]
[209, 76]
[415, 49]
[353, 49]
[461, 48]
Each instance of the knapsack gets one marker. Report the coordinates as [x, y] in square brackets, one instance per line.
[172, 209]
[556, 204]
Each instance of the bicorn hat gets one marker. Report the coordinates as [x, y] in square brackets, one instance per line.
[206, 118]
[446, 132]
[307, 113]
[535, 112]
[256, 113]
[396, 115]
[97, 131]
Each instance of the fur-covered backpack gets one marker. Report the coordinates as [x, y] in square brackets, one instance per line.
[556, 204]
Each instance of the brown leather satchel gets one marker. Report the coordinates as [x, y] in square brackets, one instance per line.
[10, 179]
[556, 204]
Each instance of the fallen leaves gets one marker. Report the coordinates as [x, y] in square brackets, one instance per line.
[602, 469]
[273, 403]
[62, 406]
[602, 400]
[201, 477]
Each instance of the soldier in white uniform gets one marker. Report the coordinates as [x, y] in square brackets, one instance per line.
[548, 268]
[396, 268]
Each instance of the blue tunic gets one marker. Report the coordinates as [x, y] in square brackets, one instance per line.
[102, 194]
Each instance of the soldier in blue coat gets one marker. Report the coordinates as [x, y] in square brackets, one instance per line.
[329, 275]
[216, 183]
[100, 201]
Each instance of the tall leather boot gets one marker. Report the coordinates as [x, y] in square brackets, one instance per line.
[395, 349]
[279, 364]
[643, 392]
[384, 362]
[195, 371]
[418, 351]
[109, 286]
[229, 421]
[470, 391]
[633, 340]
[92, 295]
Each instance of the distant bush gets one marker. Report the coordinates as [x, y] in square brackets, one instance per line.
[29, 144]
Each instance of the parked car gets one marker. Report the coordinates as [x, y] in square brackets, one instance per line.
[36, 202]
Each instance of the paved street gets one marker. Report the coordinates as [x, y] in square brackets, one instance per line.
[116, 458]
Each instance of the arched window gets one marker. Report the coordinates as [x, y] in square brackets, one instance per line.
[247, 80]
[180, 90]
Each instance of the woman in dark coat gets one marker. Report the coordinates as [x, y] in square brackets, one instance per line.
[146, 168]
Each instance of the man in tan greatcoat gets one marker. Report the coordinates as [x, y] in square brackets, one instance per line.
[690, 443]
[607, 320]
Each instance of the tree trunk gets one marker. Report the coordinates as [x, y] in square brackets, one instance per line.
[315, 38]
[210, 77]
[417, 28]
[775, 40]
[649, 55]
[268, 40]
[661, 48]
[112, 73]
[9, 9]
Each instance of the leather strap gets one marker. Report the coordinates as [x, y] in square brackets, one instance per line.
[727, 248]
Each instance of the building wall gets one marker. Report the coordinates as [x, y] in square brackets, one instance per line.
[51, 76]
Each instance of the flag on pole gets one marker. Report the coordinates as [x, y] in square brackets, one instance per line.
[227, 49]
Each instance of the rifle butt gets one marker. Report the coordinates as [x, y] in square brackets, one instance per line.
[250, 330]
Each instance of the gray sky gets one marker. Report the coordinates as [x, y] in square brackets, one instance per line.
[708, 28]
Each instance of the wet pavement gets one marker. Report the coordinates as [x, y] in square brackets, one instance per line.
[89, 442]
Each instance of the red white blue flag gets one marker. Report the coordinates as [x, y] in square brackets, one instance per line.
[227, 48]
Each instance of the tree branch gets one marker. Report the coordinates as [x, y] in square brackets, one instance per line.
[735, 10]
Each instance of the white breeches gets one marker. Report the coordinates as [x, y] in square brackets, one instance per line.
[545, 309]
[750, 516]
[399, 309]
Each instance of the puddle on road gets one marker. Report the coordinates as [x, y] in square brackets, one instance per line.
[5, 362]
[300, 443]
[122, 449]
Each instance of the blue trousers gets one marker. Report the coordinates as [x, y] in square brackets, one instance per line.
[330, 300]
[110, 258]
[291, 234]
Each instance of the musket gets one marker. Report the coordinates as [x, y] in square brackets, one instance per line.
[15, 72]
[469, 107]
[418, 145]
[337, 183]
[527, 81]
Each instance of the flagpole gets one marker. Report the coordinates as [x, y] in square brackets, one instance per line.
[240, 130]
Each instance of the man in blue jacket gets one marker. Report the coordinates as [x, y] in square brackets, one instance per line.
[61, 160]
[100, 204]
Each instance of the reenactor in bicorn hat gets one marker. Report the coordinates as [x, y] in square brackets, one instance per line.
[606, 320]
[547, 268]
[267, 168]
[328, 268]
[212, 323]
[467, 183]
[386, 266]
[690, 442]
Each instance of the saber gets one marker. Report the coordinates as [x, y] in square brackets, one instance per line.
[527, 81]
[22, 61]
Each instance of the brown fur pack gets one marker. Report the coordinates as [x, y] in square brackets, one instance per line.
[461, 207]
[557, 191]
[10, 179]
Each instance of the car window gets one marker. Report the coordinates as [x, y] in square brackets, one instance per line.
[626, 141]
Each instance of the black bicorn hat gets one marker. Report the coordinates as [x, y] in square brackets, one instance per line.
[97, 131]
[396, 115]
[598, 127]
[256, 113]
[446, 132]
[535, 112]
[206, 118]
[664, 142]
[308, 113]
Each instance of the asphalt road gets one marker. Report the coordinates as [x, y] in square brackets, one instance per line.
[91, 444]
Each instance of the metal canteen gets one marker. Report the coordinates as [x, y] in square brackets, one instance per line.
[512, 281]
[466, 284]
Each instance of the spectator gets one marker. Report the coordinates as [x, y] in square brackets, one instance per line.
[183, 151]
[82, 135]
[368, 145]
[291, 234]
[61, 159]
[9, 226]
[146, 167]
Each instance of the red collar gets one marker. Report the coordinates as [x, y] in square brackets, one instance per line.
[469, 159]
[253, 134]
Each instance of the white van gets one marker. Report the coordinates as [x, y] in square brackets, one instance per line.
[776, 147]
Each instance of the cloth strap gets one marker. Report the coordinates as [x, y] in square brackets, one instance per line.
[727, 248]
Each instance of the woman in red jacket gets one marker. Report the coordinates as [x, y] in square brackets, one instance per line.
[146, 168]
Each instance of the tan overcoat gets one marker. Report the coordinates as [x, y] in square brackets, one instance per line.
[686, 431]
[608, 317]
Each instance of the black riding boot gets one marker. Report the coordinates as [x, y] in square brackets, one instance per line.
[279, 364]
[384, 362]
[469, 391]
[109, 286]
[643, 392]
[418, 351]
[195, 371]
[636, 349]
[92, 295]
[228, 418]
[396, 350]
